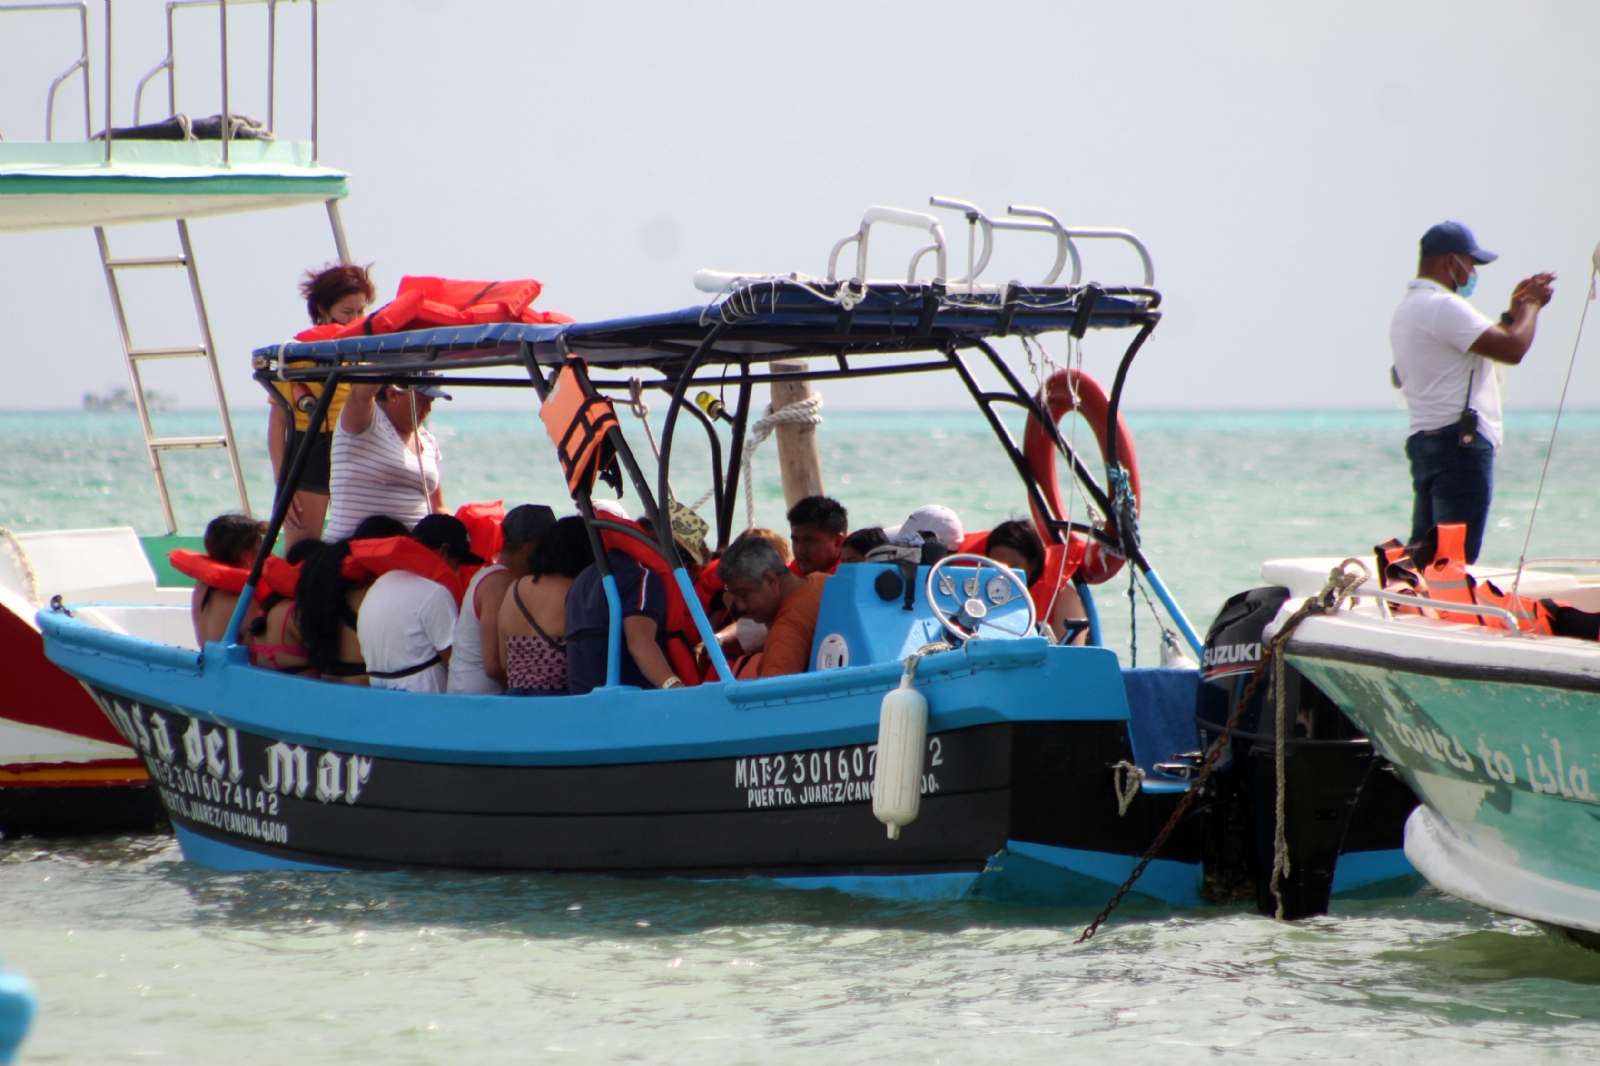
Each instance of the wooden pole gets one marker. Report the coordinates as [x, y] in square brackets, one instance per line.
[798, 456]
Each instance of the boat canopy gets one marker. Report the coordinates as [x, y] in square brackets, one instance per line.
[760, 320]
[60, 185]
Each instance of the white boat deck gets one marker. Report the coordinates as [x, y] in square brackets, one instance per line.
[63, 185]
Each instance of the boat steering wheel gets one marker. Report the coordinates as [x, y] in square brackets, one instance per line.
[976, 594]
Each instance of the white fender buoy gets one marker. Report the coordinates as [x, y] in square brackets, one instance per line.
[902, 738]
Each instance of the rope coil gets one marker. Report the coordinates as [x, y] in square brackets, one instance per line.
[806, 412]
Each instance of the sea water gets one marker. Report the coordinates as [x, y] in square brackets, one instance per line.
[138, 956]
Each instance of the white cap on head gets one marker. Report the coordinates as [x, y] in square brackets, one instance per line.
[610, 508]
[934, 518]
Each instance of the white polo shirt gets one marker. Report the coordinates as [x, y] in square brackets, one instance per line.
[1431, 333]
[405, 620]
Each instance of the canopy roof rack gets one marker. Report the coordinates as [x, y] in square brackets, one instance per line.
[765, 319]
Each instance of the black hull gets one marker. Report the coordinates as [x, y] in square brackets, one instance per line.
[65, 812]
[793, 814]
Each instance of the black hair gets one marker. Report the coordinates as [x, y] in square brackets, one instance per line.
[864, 540]
[301, 550]
[1021, 538]
[232, 539]
[319, 601]
[826, 514]
[379, 526]
[324, 288]
[564, 549]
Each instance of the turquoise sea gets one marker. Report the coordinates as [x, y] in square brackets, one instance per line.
[139, 957]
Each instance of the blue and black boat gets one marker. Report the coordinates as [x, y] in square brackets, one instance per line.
[1045, 772]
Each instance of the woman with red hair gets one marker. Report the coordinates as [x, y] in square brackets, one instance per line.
[335, 294]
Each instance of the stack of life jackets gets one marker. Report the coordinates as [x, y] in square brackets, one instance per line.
[1435, 568]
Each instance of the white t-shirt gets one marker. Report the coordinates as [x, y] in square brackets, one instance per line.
[466, 660]
[374, 472]
[1430, 334]
[406, 620]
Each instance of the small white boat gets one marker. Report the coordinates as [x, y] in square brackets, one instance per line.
[1497, 731]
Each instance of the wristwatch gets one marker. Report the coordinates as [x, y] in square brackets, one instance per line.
[1506, 318]
[672, 682]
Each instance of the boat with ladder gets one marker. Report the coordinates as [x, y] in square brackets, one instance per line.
[1043, 772]
[63, 768]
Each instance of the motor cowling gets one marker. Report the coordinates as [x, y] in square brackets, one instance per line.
[1233, 650]
[902, 738]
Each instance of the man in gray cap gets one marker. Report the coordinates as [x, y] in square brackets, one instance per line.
[1443, 350]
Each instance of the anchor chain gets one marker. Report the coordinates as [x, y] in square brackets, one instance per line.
[1340, 588]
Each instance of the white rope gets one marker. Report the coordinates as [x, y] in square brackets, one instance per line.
[1571, 362]
[25, 563]
[1126, 778]
[641, 411]
[806, 412]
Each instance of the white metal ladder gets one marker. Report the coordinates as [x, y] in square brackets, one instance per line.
[206, 350]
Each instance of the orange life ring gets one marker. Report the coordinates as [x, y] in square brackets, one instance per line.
[1064, 391]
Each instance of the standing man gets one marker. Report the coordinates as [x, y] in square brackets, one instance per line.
[817, 528]
[1443, 355]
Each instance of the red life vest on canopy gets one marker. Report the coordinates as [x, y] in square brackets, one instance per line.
[423, 303]
[680, 635]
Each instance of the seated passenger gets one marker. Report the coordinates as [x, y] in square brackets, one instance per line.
[644, 616]
[768, 592]
[476, 663]
[817, 528]
[532, 620]
[327, 605]
[1017, 545]
[859, 543]
[407, 623]
[232, 540]
[274, 639]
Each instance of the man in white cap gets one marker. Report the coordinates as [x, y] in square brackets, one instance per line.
[1442, 353]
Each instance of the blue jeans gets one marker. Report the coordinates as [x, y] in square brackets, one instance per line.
[1451, 484]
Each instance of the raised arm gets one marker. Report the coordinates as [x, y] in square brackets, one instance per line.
[1509, 343]
[359, 408]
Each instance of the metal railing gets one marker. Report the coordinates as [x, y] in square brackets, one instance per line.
[1443, 607]
[169, 64]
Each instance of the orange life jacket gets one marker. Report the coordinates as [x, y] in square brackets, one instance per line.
[679, 636]
[423, 303]
[208, 571]
[578, 419]
[483, 532]
[1444, 577]
[370, 558]
[1442, 573]
[277, 575]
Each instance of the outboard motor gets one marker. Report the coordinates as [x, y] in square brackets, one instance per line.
[1231, 654]
[1329, 767]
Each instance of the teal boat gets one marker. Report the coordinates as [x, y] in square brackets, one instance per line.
[1497, 732]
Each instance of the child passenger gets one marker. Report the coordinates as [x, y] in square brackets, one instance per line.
[232, 540]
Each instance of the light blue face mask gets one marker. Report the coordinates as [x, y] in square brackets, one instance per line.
[1465, 289]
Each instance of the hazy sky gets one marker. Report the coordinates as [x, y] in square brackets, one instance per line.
[1279, 159]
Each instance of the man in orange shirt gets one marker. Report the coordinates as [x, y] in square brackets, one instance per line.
[765, 590]
[817, 528]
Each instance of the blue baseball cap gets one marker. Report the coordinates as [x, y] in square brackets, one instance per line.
[1452, 238]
